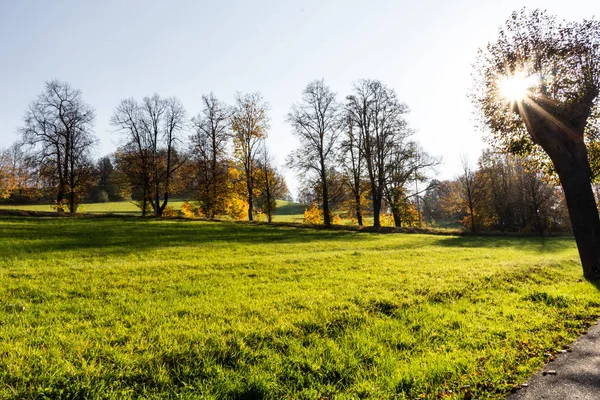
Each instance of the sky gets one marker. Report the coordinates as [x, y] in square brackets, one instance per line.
[116, 49]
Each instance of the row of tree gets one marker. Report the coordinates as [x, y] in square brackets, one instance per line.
[362, 145]
[225, 162]
[358, 152]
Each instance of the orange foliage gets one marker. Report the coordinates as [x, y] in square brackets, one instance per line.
[313, 215]
[237, 208]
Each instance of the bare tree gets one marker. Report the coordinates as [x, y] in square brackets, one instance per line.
[469, 190]
[536, 89]
[58, 129]
[316, 123]
[152, 132]
[353, 167]
[213, 133]
[250, 123]
[271, 184]
[133, 157]
[407, 164]
[379, 117]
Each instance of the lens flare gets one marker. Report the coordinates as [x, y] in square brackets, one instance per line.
[517, 87]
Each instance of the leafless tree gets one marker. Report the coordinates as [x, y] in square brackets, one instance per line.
[152, 130]
[210, 143]
[250, 123]
[379, 118]
[352, 165]
[270, 183]
[470, 190]
[407, 164]
[555, 67]
[133, 157]
[58, 131]
[316, 123]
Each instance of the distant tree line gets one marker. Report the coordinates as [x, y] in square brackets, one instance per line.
[356, 160]
[503, 194]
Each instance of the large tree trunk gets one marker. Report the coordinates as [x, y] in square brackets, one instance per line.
[565, 145]
[575, 177]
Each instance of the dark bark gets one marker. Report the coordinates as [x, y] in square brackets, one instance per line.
[575, 177]
[376, 211]
[397, 218]
[359, 217]
[564, 144]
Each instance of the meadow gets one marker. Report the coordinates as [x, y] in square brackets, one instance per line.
[124, 307]
[286, 211]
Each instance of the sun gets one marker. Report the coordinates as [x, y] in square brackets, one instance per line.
[517, 87]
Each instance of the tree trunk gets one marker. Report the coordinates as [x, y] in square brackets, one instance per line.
[359, 218]
[376, 211]
[397, 219]
[72, 202]
[326, 215]
[565, 145]
[575, 178]
[250, 205]
[60, 195]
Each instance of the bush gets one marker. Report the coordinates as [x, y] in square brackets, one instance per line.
[187, 210]
[237, 209]
[313, 215]
[102, 197]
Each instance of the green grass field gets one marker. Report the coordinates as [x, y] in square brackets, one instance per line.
[286, 211]
[103, 308]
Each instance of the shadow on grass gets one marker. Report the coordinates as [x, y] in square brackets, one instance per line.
[290, 209]
[533, 243]
[21, 236]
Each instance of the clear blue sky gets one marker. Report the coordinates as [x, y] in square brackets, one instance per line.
[117, 49]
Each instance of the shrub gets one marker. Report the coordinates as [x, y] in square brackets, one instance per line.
[313, 215]
[237, 209]
[187, 210]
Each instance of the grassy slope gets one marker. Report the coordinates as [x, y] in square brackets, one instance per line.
[123, 308]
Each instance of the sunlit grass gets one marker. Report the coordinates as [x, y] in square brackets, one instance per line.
[132, 308]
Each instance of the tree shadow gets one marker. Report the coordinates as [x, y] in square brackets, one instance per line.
[23, 236]
[538, 244]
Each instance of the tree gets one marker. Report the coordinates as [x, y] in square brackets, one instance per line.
[379, 117]
[407, 164]
[107, 186]
[353, 168]
[470, 191]
[536, 88]
[133, 157]
[270, 183]
[152, 131]
[58, 131]
[17, 174]
[316, 123]
[250, 123]
[209, 151]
